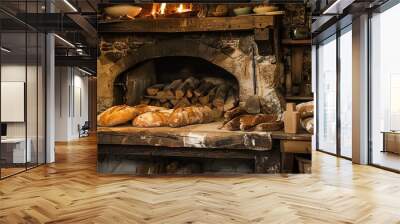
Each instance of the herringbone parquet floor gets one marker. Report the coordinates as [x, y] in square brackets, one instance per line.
[70, 191]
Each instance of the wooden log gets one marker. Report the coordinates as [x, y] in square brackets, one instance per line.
[189, 83]
[207, 99]
[189, 93]
[194, 24]
[203, 88]
[145, 101]
[235, 112]
[154, 89]
[159, 97]
[220, 96]
[170, 89]
[163, 96]
[232, 100]
[252, 105]
[174, 101]
[249, 121]
[184, 102]
[167, 104]
[155, 103]
[194, 100]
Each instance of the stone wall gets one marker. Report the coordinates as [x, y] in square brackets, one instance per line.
[235, 52]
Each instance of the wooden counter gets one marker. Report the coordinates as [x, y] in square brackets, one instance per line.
[206, 136]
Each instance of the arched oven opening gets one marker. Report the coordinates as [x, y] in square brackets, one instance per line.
[177, 81]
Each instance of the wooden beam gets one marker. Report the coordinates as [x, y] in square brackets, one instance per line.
[174, 25]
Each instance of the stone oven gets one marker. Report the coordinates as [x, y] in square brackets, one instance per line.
[235, 54]
[134, 55]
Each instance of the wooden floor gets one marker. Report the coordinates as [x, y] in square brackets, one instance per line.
[386, 159]
[70, 191]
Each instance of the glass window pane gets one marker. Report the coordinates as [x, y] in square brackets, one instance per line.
[14, 153]
[385, 84]
[327, 96]
[346, 93]
[31, 97]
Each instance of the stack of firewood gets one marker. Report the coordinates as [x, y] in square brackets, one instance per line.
[210, 92]
[250, 117]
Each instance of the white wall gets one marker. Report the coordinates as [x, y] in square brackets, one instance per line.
[71, 102]
[33, 127]
[16, 73]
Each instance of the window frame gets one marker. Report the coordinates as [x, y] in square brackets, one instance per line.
[340, 28]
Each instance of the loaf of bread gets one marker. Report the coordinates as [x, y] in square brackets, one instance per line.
[192, 115]
[268, 126]
[116, 115]
[152, 119]
[249, 121]
[308, 124]
[122, 114]
[142, 108]
[305, 109]
[232, 125]
[235, 112]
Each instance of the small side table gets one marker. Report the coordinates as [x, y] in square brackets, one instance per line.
[391, 141]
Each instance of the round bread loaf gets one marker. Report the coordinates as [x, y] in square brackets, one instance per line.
[122, 114]
[152, 119]
[116, 115]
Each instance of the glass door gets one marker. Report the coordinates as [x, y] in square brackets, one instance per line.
[326, 99]
[345, 92]
[22, 77]
[385, 89]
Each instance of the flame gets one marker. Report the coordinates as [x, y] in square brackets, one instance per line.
[154, 9]
[180, 8]
[162, 8]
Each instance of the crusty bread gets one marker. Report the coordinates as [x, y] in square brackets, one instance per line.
[142, 108]
[249, 121]
[116, 115]
[122, 114]
[306, 109]
[192, 115]
[308, 124]
[232, 125]
[152, 119]
[268, 126]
